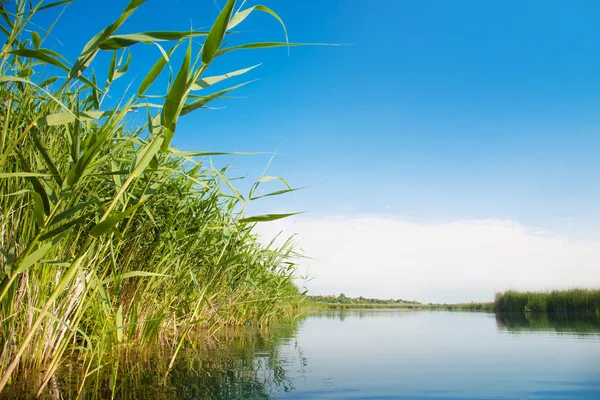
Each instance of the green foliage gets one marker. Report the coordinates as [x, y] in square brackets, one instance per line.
[557, 301]
[109, 237]
[343, 299]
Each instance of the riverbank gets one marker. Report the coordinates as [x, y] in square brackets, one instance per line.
[312, 304]
[582, 301]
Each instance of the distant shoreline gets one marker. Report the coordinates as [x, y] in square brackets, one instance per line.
[577, 300]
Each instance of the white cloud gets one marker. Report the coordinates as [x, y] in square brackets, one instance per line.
[389, 257]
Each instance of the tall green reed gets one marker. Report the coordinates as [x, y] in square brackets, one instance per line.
[110, 237]
[559, 301]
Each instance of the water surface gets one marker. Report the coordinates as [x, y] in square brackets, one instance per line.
[372, 354]
[395, 354]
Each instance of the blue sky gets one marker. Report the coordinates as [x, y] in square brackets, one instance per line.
[436, 110]
[471, 120]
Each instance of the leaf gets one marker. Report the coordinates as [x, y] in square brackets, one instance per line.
[119, 323]
[134, 274]
[146, 155]
[278, 192]
[124, 68]
[34, 257]
[91, 48]
[211, 80]
[117, 42]
[216, 34]
[46, 156]
[41, 56]
[266, 217]
[35, 38]
[194, 105]
[66, 118]
[177, 94]
[70, 212]
[38, 208]
[65, 227]
[49, 81]
[55, 4]
[240, 16]
[42, 201]
[155, 72]
[112, 67]
[178, 153]
[24, 175]
[266, 45]
[110, 222]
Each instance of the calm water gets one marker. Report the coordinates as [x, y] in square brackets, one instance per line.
[380, 354]
[389, 354]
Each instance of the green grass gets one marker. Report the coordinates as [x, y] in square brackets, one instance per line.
[110, 238]
[556, 301]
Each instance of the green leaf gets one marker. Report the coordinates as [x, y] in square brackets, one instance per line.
[35, 38]
[266, 217]
[266, 45]
[110, 222]
[38, 208]
[194, 105]
[134, 274]
[34, 257]
[240, 16]
[124, 68]
[155, 72]
[216, 34]
[145, 155]
[112, 67]
[24, 175]
[91, 48]
[119, 323]
[41, 56]
[64, 227]
[117, 42]
[55, 4]
[211, 80]
[177, 94]
[278, 192]
[49, 81]
[70, 212]
[177, 153]
[46, 156]
[66, 118]
[42, 201]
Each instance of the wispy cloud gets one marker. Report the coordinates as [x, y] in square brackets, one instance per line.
[387, 256]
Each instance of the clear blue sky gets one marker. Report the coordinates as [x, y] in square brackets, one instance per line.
[437, 110]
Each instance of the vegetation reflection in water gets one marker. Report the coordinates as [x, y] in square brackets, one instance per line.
[253, 363]
[237, 363]
[578, 324]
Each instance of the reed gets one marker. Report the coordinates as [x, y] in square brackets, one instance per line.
[110, 237]
[557, 301]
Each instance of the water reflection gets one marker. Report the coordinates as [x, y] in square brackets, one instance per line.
[342, 354]
[573, 324]
[235, 364]
[343, 313]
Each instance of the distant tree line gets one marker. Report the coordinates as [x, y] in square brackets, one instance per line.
[343, 299]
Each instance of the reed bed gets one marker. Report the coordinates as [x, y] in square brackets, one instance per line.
[556, 301]
[110, 238]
